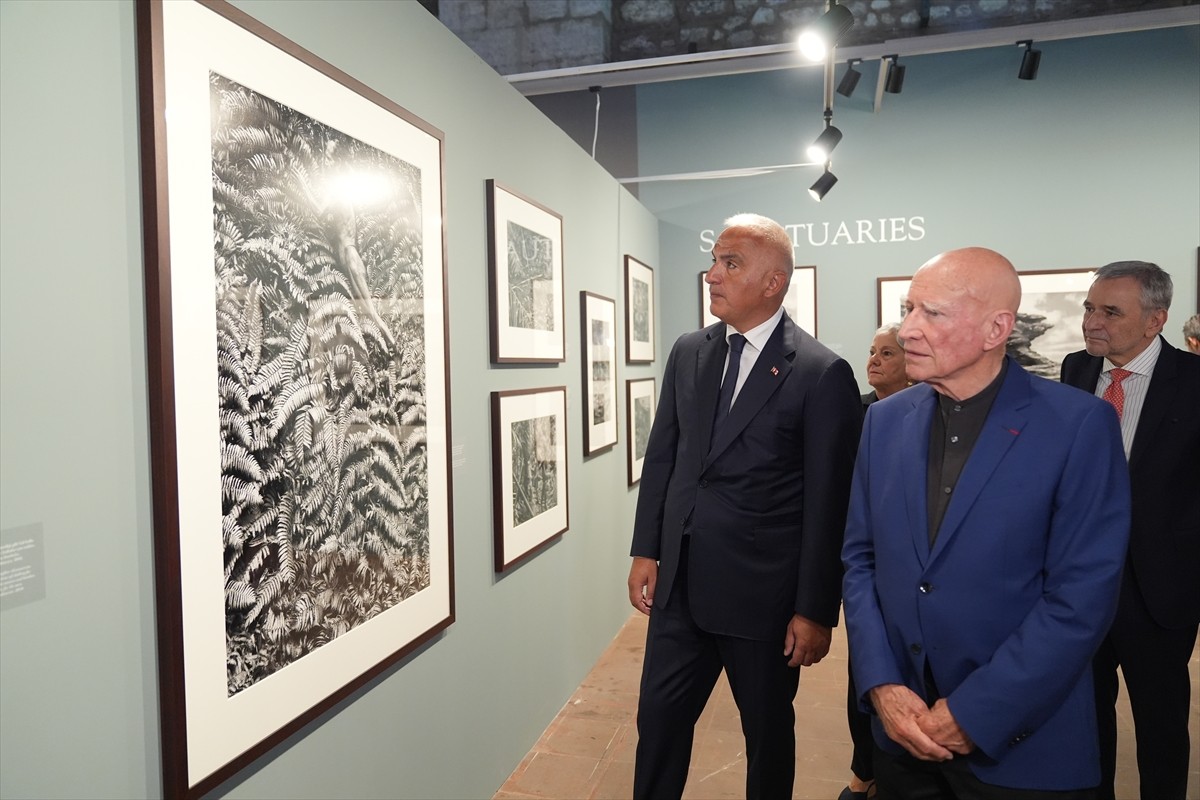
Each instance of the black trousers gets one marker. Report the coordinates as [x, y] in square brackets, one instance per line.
[681, 667]
[1154, 661]
[904, 777]
[859, 722]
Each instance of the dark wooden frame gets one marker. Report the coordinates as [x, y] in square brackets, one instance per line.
[631, 439]
[635, 353]
[153, 33]
[504, 534]
[545, 348]
[592, 442]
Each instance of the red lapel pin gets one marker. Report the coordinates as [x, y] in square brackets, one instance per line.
[775, 371]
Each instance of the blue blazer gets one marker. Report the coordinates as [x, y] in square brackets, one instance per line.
[1020, 586]
[764, 502]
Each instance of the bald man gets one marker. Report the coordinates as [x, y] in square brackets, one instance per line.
[987, 530]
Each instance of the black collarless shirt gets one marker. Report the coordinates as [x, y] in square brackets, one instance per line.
[952, 436]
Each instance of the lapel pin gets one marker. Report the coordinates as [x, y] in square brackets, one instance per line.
[775, 371]
[1014, 431]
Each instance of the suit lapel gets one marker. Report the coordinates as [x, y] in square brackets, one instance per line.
[769, 371]
[710, 359]
[1000, 431]
[915, 446]
[1159, 395]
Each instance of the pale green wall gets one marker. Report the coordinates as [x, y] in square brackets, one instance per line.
[1097, 160]
[77, 669]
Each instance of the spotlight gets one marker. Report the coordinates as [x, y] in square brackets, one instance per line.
[894, 83]
[1030, 61]
[817, 39]
[819, 150]
[824, 183]
[850, 79]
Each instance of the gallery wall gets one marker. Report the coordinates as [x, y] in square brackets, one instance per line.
[80, 713]
[1097, 160]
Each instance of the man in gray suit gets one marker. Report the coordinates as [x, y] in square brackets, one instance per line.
[740, 517]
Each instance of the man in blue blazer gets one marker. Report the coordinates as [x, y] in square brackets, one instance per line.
[1154, 632]
[987, 529]
[740, 516]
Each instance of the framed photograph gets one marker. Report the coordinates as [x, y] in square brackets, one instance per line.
[525, 279]
[800, 302]
[639, 411]
[1049, 322]
[299, 389]
[529, 471]
[639, 312]
[598, 321]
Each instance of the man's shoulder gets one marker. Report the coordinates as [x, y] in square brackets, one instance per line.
[694, 339]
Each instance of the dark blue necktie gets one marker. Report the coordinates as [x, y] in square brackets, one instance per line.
[725, 398]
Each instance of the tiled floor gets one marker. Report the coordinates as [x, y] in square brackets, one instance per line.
[587, 750]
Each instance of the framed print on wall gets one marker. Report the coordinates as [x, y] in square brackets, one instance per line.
[598, 321]
[639, 312]
[529, 471]
[639, 411]
[299, 384]
[800, 301]
[1049, 321]
[525, 279]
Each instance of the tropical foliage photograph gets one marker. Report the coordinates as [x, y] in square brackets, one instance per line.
[534, 467]
[318, 258]
[531, 291]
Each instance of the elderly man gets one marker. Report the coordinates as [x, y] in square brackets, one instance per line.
[983, 554]
[740, 518]
[1156, 390]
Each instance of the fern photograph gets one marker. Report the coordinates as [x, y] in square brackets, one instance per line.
[319, 265]
[531, 290]
[534, 467]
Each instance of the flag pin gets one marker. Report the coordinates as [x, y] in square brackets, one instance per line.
[775, 371]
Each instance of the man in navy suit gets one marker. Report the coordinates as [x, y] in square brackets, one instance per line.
[740, 517]
[987, 529]
[1158, 392]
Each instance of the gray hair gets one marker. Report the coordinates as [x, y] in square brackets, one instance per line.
[892, 328]
[1191, 328]
[769, 232]
[1154, 281]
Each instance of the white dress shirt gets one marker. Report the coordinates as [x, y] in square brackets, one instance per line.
[1135, 386]
[756, 340]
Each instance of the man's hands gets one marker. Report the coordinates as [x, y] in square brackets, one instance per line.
[643, 576]
[931, 734]
[806, 642]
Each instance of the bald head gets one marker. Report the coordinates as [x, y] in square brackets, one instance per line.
[981, 274]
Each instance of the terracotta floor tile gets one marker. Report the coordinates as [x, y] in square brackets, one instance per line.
[576, 736]
[615, 782]
[552, 775]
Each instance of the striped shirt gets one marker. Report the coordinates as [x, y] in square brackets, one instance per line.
[1135, 387]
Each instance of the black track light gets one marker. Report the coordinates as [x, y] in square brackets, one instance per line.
[818, 151]
[850, 80]
[1030, 61]
[818, 39]
[894, 83]
[824, 183]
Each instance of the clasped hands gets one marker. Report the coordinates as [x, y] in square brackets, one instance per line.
[930, 734]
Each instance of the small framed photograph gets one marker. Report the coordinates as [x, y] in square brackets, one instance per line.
[525, 279]
[529, 471]
[598, 321]
[800, 302]
[640, 407]
[890, 296]
[639, 312]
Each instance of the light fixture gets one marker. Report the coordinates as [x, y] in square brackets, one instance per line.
[819, 150]
[817, 39]
[824, 183]
[1030, 61]
[894, 84]
[850, 79]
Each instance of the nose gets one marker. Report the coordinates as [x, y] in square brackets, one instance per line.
[710, 275]
[907, 327]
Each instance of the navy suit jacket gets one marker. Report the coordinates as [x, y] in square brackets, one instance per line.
[1020, 586]
[765, 501]
[1164, 472]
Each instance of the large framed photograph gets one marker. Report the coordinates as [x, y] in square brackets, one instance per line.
[800, 302]
[529, 471]
[299, 390]
[639, 312]
[1049, 321]
[639, 411]
[598, 321]
[525, 278]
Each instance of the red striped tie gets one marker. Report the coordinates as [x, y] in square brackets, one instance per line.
[1115, 393]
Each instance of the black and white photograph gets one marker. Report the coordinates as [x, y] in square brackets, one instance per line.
[525, 278]
[529, 471]
[304, 539]
[800, 302]
[598, 320]
[639, 312]
[1049, 321]
[640, 407]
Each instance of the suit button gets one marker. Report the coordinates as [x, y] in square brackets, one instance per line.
[703, 484]
[925, 588]
[915, 648]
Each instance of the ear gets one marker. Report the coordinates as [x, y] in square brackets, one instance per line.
[1155, 321]
[998, 329]
[775, 284]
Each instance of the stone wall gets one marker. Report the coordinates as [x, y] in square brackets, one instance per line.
[531, 35]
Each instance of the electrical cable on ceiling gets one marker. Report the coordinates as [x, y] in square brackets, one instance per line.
[596, 127]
